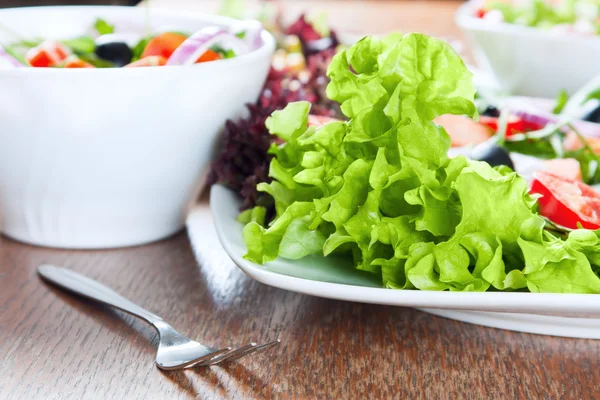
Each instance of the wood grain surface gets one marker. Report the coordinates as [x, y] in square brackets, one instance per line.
[57, 346]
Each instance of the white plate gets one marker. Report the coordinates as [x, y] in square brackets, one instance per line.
[572, 315]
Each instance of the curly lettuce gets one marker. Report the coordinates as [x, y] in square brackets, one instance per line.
[381, 191]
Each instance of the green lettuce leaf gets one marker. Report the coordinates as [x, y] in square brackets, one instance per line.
[381, 191]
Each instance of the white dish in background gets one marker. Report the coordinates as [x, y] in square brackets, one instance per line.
[98, 158]
[530, 61]
[572, 315]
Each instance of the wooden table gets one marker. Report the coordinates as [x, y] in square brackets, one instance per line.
[53, 345]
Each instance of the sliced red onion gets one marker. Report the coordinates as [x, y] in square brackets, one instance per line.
[7, 61]
[535, 114]
[194, 46]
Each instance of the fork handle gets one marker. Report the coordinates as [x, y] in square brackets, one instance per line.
[93, 290]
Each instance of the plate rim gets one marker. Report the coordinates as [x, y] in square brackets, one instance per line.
[555, 304]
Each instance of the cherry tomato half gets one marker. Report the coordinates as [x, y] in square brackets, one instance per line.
[151, 61]
[47, 54]
[163, 45]
[567, 202]
[514, 124]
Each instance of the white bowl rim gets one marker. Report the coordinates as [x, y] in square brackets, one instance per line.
[465, 19]
[266, 49]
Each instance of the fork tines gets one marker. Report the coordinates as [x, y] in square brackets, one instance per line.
[237, 353]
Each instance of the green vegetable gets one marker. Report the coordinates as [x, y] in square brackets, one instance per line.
[225, 53]
[139, 48]
[103, 27]
[561, 100]
[81, 45]
[18, 55]
[96, 61]
[381, 191]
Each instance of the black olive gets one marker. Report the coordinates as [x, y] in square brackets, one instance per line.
[593, 115]
[492, 154]
[118, 53]
[491, 111]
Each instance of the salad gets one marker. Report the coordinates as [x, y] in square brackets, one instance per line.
[580, 17]
[105, 48]
[379, 186]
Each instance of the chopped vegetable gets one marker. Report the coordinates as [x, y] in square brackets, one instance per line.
[80, 45]
[48, 54]
[514, 124]
[561, 101]
[194, 48]
[118, 53]
[75, 62]
[566, 202]
[209, 55]
[103, 27]
[163, 45]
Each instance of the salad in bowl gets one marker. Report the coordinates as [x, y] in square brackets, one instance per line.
[98, 152]
[102, 47]
[534, 47]
[579, 17]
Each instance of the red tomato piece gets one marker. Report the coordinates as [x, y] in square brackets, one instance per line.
[567, 202]
[75, 62]
[163, 45]
[208, 55]
[480, 13]
[47, 54]
[151, 61]
[514, 124]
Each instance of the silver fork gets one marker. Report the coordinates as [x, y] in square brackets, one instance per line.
[175, 351]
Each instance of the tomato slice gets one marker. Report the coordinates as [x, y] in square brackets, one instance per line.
[208, 55]
[151, 61]
[513, 126]
[163, 45]
[47, 54]
[567, 202]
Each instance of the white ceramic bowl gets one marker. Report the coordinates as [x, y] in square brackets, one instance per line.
[530, 61]
[112, 157]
